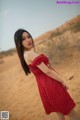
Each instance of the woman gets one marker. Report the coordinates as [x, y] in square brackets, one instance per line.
[52, 88]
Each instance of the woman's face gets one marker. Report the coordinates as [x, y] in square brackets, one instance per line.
[27, 41]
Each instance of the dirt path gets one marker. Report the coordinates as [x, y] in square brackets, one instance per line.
[19, 94]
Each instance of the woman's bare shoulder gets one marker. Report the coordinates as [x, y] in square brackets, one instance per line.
[32, 55]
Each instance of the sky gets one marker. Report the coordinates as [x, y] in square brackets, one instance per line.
[35, 16]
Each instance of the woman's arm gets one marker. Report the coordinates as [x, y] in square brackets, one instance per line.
[51, 73]
[55, 76]
[51, 67]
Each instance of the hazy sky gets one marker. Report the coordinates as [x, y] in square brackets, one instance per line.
[36, 16]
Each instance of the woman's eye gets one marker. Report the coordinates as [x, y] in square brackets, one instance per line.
[29, 36]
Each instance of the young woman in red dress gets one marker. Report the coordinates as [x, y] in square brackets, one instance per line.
[51, 86]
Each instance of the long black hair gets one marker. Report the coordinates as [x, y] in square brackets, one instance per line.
[20, 49]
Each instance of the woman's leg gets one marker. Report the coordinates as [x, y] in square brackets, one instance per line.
[73, 115]
[60, 116]
[47, 117]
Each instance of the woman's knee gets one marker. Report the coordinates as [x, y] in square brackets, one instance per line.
[72, 112]
[59, 114]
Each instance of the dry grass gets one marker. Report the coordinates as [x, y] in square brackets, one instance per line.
[19, 93]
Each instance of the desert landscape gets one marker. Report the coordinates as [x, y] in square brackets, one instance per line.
[19, 93]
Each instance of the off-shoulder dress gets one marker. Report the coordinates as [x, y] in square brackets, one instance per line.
[54, 96]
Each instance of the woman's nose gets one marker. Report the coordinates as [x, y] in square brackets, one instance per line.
[28, 39]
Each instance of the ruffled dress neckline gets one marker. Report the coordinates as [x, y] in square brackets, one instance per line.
[36, 58]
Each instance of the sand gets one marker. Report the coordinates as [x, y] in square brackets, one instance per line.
[19, 93]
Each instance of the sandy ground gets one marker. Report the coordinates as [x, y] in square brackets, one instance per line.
[19, 93]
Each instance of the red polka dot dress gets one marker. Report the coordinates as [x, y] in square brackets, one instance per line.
[54, 96]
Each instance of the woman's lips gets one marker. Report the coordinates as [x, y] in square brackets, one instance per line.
[29, 43]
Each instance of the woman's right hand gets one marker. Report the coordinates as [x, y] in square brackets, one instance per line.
[65, 85]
